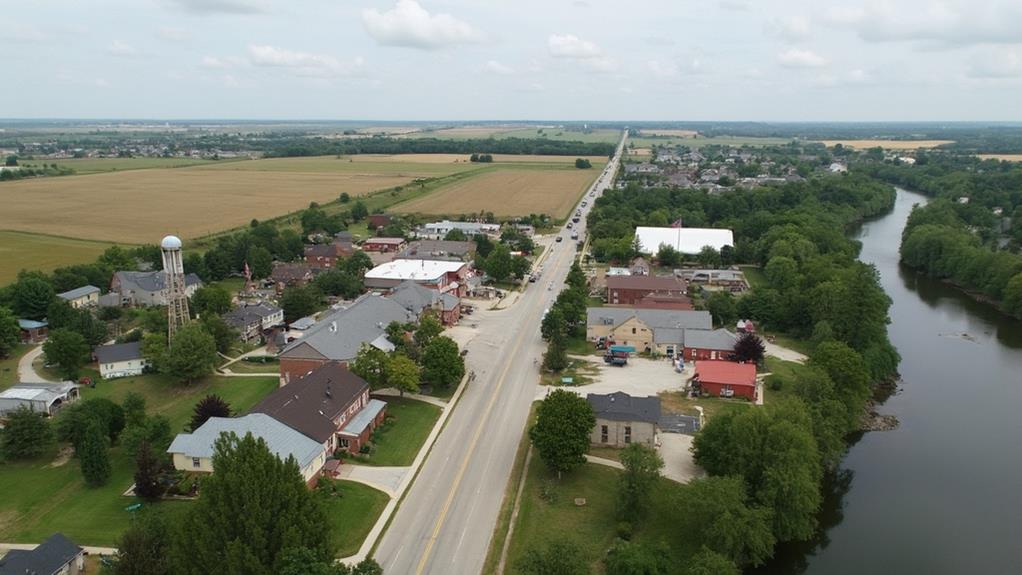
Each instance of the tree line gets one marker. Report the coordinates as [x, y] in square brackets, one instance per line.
[317, 146]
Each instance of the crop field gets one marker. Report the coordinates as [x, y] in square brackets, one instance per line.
[19, 250]
[462, 132]
[888, 144]
[141, 206]
[508, 191]
[98, 165]
[670, 133]
[550, 132]
[1002, 157]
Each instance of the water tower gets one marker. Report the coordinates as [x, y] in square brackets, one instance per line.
[177, 299]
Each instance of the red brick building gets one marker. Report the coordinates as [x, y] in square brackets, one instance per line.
[330, 405]
[325, 256]
[679, 302]
[703, 344]
[627, 290]
[725, 379]
[383, 244]
[377, 221]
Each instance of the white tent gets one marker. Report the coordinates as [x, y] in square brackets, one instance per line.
[685, 240]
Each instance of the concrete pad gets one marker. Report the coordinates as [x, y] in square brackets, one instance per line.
[386, 479]
[641, 377]
[679, 464]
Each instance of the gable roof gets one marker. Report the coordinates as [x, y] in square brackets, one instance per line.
[340, 334]
[620, 406]
[78, 292]
[654, 318]
[119, 352]
[283, 271]
[153, 281]
[281, 439]
[710, 339]
[46, 392]
[249, 314]
[415, 297]
[311, 403]
[46, 559]
[726, 372]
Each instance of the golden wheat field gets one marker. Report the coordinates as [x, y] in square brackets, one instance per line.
[1003, 157]
[509, 192]
[888, 144]
[141, 206]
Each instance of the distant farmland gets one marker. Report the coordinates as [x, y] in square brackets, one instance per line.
[888, 144]
[20, 251]
[509, 191]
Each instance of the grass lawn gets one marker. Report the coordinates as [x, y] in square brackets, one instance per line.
[612, 453]
[409, 423]
[580, 370]
[353, 511]
[9, 366]
[42, 497]
[582, 346]
[754, 275]
[679, 402]
[799, 345]
[548, 513]
[255, 367]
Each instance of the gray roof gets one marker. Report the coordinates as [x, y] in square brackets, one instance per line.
[150, 281]
[303, 323]
[249, 314]
[362, 420]
[46, 559]
[281, 439]
[119, 352]
[415, 297]
[654, 318]
[437, 249]
[340, 334]
[709, 339]
[620, 406]
[78, 292]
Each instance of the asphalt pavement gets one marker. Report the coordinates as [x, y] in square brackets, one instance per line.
[445, 523]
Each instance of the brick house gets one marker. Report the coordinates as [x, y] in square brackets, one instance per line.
[725, 379]
[377, 221]
[622, 419]
[626, 290]
[709, 344]
[285, 275]
[330, 405]
[340, 334]
[384, 245]
[325, 256]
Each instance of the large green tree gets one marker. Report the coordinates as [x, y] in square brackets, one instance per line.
[564, 421]
[642, 469]
[558, 557]
[26, 434]
[371, 365]
[252, 510]
[709, 562]
[94, 456]
[299, 301]
[10, 333]
[402, 373]
[68, 350]
[442, 364]
[211, 299]
[210, 406]
[192, 353]
[716, 512]
[143, 548]
[628, 558]
[147, 473]
[32, 295]
[429, 327]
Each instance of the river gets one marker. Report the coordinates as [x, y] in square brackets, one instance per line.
[942, 494]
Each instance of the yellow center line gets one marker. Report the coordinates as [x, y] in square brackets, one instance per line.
[468, 454]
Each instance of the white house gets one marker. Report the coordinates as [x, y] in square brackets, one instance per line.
[685, 240]
[85, 296]
[121, 360]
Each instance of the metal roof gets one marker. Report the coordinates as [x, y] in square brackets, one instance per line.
[417, 270]
[37, 391]
[654, 318]
[710, 339]
[340, 334]
[153, 281]
[280, 439]
[685, 240]
[358, 423]
[78, 292]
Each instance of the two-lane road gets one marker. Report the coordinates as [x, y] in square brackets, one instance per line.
[446, 520]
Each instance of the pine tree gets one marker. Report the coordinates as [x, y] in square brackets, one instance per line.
[26, 434]
[93, 455]
[142, 549]
[147, 473]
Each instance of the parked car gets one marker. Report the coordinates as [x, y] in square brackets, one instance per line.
[559, 239]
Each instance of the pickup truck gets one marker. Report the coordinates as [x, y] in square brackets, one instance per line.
[574, 235]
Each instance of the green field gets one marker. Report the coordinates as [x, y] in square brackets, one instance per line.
[21, 250]
[47, 494]
[530, 132]
[99, 165]
[352, 512]
[409, 423]
[701, 141]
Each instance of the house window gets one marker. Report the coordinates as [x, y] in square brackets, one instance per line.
[344, 443]
[196, 462]
[633, 331]
[628, 434]
[603, 434]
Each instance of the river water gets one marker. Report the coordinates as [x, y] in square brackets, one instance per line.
[942, 494]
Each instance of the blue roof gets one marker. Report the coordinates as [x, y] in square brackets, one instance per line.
[31, 324]
[358, 423]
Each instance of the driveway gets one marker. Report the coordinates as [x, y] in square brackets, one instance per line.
[641, 377]
[26, 373]
[679, 465]
[386, 479]
[774, 350]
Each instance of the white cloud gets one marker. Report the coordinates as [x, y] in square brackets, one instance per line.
[303, 63]
[734, 5]
[214, 63]
[173, 34]
[798, 58]
[996, 64]
[571, 46]
[20, 33]
[942, 24]
[790, 28]
[229, 81]
[220, 6]
[409, 25]
[602, 65]
[121, 50]
[662, 70]
[496, 67]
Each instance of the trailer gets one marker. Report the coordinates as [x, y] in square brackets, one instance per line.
[618, 355]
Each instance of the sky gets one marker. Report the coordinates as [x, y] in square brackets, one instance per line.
[670, 60]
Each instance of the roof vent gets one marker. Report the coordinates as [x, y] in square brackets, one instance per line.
[612, 399]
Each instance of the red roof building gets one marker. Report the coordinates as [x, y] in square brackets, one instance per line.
[725, 379]
[626, 290]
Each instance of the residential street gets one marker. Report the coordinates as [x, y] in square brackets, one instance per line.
[445, 523]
